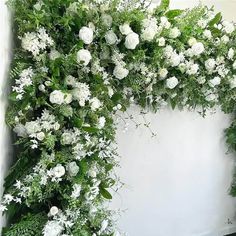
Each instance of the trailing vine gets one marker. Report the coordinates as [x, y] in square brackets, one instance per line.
[76, 64]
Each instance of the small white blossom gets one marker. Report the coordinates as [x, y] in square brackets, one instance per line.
[198, 48]
[81, 93]
[72, 168]
[161, 42]
[163, 73]
[210, 64]
[107, 20]
[53, 211]
[54, 54]
[76, 191]
[174, 33]
[57, 97]
[101, 122]
[52, 228]
[215, 81]
[95, 104]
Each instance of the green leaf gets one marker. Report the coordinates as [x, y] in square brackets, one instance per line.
[164, 5]
[174, 13]
[105, 193]
[215, 20]
[90, 129]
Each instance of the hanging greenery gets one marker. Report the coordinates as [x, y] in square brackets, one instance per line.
[76, 64]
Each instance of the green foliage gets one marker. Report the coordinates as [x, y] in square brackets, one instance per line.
[30, 225]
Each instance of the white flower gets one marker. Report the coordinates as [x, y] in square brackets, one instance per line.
[225, 39]
[210, 64]
[95, 103]
[215, 81]
[76, 191]
[201, 80]
[234, 65]
[192, 41]
[72, 168]
[86, 35]
[111, 37]
[192, 69]
[125, 29]
[198, 48]
[40, 136]
[172, 82]
[231, 53]
[83, 55]
[110, 92]
[164, 22]
[107, 20]
[81, 93]
[163, 73]
[57, 97]
[120, 72]
[148, 34]
[32, 127]
[211, 97]
[52, 228]
[104, 225]
[228, 27]
[67, 98]
[20, 130]
[232, 82]
[54, 54]
[92, 173]
[202, 23]
[58, 171]
[131, 40]
[101, 122]
[161, 42]
[67, 138]
[70, 80]
[53, 211]
[174, 60]
[207, 34]
[174, 33]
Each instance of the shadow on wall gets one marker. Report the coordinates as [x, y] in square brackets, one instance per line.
[5, 55]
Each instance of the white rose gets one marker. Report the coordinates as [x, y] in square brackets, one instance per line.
[57, 97]
[101, 122]
[202, 23]
[70, 80]
[201, 80]
[131, 40]
[210, 64]
[192, 41]
[59, 171]
[32, 127]
[148, 34]
[174, 33]
[174, 60]
[125, 29]
[207, 34]
[107, 20]
[193, 69]
[161, 42]
[72, 168]
[92, 173]
[66, 138]
[172, 82]
[228, 27]
[215, 81]
[86, 35]
[225, 39]
[231, 53]
[53, 211]
[198, 48]
[163, 73]
[83, 55]
[120, 72]
[211, 97]
[40, 136]
[111, 38]
[95, 103]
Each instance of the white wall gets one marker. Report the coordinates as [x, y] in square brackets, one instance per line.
[5, 43]
[177, 183]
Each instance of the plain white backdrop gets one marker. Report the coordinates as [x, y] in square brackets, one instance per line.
[177, 183]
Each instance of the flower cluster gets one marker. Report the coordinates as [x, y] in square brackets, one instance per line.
[89, 60]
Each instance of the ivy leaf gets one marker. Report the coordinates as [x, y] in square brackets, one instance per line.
[174, 13]
[105, 193]
[215, 20]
